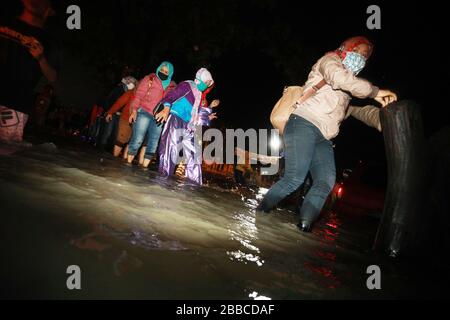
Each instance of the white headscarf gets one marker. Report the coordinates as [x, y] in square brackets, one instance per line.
[204, 75]
[130, 82]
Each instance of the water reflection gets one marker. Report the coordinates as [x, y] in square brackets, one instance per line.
[147, 226]
[330, 231]
[244, 231]
[255, 296]
[328, 235]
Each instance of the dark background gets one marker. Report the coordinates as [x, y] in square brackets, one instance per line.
[253, 49]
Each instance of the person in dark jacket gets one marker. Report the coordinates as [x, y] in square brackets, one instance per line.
[26, 55]
[108, 131]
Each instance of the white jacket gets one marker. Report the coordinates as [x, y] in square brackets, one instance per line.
[328, 106]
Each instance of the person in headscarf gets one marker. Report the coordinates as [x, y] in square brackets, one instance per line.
[181, 111]
[315, 121]
[109, 127]
[123, 136]
[149, 93]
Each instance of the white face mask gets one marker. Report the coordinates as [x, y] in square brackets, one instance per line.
[130, 86]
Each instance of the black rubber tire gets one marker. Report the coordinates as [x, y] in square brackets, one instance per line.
[399, 229]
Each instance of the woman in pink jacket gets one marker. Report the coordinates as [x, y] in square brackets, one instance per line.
[150, 91]
[316, 121]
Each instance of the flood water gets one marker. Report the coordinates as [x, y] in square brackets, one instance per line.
[136, 235]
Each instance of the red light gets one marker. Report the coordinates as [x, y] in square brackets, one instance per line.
[339, 191]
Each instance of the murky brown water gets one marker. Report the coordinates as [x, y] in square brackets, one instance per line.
[137, 235]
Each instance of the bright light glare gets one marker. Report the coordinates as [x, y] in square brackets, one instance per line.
[262, 190]
[255, 296]
[275, 143]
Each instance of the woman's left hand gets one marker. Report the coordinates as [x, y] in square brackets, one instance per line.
[385, 97]
[163, 115]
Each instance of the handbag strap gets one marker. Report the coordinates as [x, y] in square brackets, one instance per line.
[310, 92]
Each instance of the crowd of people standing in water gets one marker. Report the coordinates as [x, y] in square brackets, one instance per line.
[156, 108]
[147, 116]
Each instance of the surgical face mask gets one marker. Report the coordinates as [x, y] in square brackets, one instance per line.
[354, 62]
[201, 85]
[130, 86]
[162, 76]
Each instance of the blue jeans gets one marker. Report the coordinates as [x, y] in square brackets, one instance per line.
[306, 150]
[145, 125]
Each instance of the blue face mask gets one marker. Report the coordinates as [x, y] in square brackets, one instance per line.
[201, 85]
[354, 62]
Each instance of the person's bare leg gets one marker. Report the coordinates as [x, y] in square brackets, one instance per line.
[146, 163]
[125, 152]
[130, 159]
[117, 150]
[142, 155]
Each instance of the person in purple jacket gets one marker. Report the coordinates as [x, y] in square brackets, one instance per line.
[183, 115]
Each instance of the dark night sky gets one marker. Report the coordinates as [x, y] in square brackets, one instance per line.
[256, 47]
